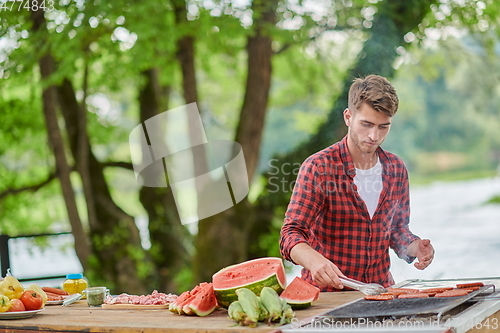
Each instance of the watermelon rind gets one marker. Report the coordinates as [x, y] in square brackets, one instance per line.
[300, 294]
[298, 306]
[205, 298]
[225, 296]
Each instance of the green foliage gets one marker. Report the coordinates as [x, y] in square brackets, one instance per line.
[494, 200]
[448, 118]
[184, 280]
[448, 89]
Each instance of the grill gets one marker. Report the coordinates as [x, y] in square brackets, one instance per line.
[418, 315]
[403, 307]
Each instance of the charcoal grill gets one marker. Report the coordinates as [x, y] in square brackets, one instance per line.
[403, 307]
[448, 314]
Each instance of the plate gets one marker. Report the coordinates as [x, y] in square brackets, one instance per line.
[19, 314]
[58, 302]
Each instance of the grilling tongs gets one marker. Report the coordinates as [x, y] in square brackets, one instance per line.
[365, 288]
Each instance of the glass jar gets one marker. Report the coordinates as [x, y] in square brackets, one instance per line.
[75, 283]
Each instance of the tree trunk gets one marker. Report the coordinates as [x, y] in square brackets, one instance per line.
[223, 239]
[119, 259]
[186, 56]
[394, 20]
[168, 236]
[49, 98]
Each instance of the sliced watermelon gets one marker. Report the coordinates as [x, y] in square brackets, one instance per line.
[182, 305]
[252, 274]
[300, 294]
[204, 303]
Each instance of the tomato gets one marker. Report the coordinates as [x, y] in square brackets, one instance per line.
[16, 305]
[31, 300]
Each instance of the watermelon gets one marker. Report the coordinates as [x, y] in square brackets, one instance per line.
[300, 294]
[204, 302]
[252, 274]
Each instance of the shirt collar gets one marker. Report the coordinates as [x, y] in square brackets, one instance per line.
[349, 168]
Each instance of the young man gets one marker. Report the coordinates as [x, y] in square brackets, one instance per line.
[350, 203]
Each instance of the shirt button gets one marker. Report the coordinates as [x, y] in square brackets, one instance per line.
[369, 247]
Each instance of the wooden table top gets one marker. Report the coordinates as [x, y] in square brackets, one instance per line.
[78, 317]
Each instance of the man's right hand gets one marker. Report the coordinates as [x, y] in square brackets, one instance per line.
[323, 271]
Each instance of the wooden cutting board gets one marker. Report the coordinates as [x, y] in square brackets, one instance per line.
[133, 307]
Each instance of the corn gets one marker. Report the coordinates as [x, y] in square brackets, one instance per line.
[272, 302]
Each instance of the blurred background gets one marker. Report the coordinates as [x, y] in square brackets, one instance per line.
[77, 76]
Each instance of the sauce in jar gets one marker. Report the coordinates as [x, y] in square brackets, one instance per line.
[75, 283]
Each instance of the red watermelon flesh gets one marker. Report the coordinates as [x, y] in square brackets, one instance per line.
[300, 294]
[176, 305]
[252, 274]
[185, 298]
[204, 302]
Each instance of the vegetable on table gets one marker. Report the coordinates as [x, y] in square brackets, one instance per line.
[31, 300]
[4, 303]
[11, 287]
[16, 305]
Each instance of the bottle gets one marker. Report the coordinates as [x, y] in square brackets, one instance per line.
[75, 283]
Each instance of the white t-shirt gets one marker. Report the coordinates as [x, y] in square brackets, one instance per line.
[369, 184]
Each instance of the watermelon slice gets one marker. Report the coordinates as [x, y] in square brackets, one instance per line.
[204, 302]
[300, 294]
[200, 301]
[252, 274]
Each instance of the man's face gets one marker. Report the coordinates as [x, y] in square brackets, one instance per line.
[368, 128]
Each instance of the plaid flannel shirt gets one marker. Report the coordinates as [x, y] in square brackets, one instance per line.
[327, 213]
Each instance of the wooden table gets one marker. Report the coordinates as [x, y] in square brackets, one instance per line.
[78, 317]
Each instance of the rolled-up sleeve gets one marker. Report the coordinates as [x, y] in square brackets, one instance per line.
[401, 236]
[305, 204]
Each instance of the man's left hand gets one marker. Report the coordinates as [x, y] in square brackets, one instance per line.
[423, 250]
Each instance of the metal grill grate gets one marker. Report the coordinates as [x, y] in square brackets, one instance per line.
[401, 307]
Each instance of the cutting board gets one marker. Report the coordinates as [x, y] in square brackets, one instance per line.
[133, 307]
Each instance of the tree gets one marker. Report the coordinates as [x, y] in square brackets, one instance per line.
[150, 65]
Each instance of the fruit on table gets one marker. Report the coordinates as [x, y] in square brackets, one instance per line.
[300, 294]
[4, 303]
[16, 305]
[199, 301]
[204, 302]
[252, 274]
[31, 300]
[11, 287]
[38, 289]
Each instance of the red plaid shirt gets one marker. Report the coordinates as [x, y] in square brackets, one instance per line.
[327, 213]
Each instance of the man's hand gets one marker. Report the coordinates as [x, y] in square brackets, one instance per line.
[423, 250]
[323, 271]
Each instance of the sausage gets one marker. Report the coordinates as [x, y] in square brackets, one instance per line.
[54, 297]
[54, 291]
[400, 291]
[470, 285]
[381, 297]
[433, 291]
[452, 293]
[414, 295]
[405, 290]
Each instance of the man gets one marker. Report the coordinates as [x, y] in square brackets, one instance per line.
[350, 203]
